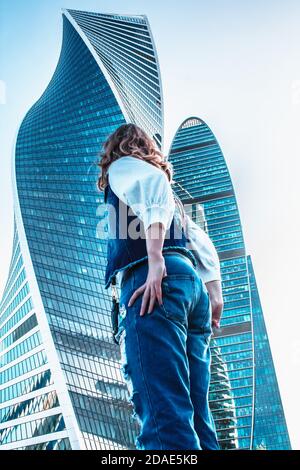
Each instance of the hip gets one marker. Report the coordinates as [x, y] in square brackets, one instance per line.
[182, 279]
[185, 300]
[178, 263]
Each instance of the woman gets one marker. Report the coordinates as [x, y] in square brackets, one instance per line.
[165, 319]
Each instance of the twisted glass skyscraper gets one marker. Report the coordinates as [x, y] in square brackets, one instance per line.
[244, 395]
[60, 384]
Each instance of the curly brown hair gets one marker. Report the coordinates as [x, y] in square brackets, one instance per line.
[130, 139]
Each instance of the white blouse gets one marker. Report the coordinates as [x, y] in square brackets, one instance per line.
[147, 190]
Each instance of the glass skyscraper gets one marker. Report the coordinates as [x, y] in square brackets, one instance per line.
[244, 395]
[60, 383]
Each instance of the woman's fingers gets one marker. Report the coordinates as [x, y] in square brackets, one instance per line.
[215, 323]
[151, 294]
[159, 293]
[145, 300]
[136, 293]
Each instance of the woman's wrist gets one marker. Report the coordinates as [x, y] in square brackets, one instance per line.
[154, 241]
[155, 255]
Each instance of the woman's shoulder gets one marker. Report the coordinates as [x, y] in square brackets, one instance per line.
[131, 164]
[119, 162]
[125, 160]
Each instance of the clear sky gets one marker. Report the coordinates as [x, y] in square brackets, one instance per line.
[236, 64]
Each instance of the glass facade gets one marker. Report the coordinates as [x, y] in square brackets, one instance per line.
[127, 51]
[60, 380]
[26, 386]
[244, 395]
[270, 429]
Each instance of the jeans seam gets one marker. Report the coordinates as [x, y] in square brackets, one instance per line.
[145, 384]
[193, 304]
[143, 375]
[200, 299]
[180, 276]
[207, 312]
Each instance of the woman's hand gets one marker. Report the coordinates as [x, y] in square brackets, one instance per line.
[151, 289]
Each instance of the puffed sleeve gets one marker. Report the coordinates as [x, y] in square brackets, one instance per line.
[208, 264]
[143, 187]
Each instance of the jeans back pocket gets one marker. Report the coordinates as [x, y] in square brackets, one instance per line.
[178, 292]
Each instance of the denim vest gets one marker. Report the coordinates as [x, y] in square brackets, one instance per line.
[123, 250]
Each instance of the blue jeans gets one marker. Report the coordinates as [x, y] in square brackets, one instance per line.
[166, 359]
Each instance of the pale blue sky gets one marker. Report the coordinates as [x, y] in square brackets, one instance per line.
[236, 64]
